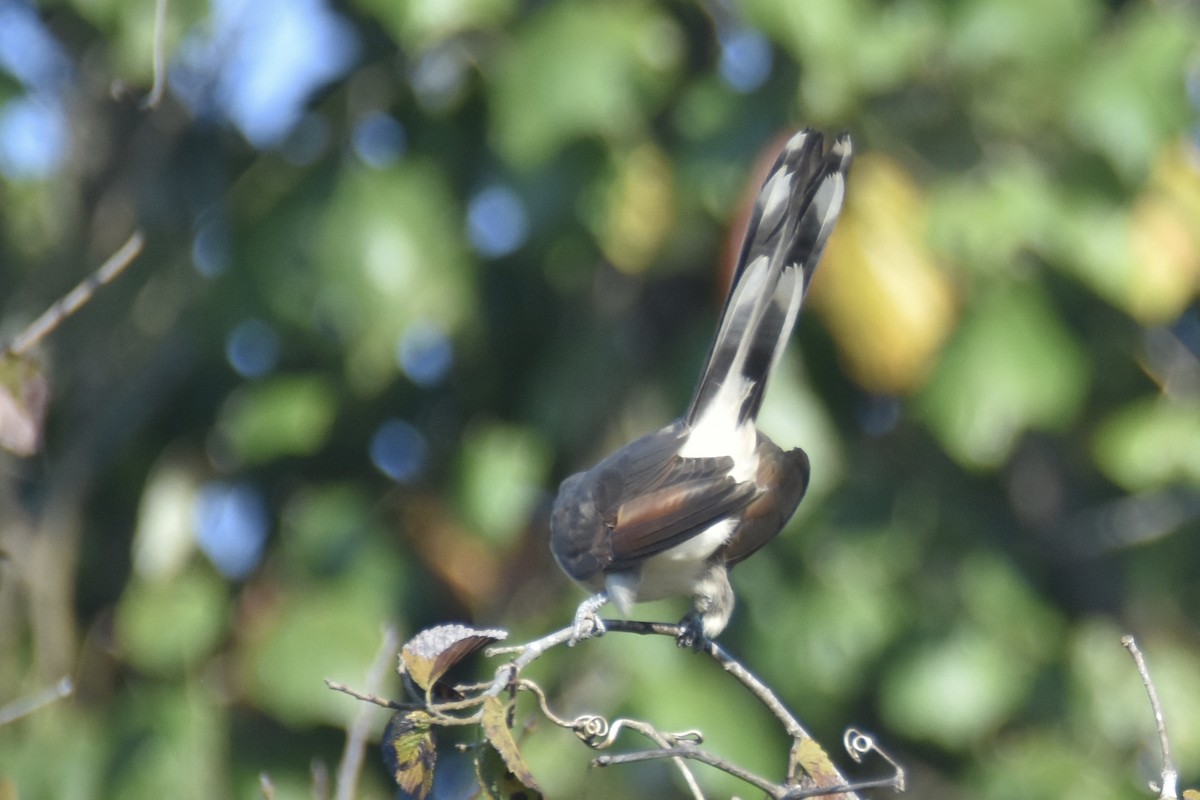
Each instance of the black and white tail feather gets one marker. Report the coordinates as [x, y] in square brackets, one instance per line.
[668, 514]
[793, 216]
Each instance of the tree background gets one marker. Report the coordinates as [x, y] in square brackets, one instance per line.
[410, 263]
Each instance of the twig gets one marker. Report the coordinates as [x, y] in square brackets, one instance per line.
[366, 697]
[810, 771]
[160, 81]
[319, 776]
[859, 744]
[805, 752]
[696, 754]
[25, 706]
[1169, 789]
[77, 297]
[360, 728]
[266, 786]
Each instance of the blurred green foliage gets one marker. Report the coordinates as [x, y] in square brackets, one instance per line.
[998, 380]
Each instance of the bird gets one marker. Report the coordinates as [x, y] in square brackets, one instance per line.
[670, 513]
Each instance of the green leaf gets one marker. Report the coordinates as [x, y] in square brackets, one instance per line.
[1011, 367]
[282, 416]
[321, 526]
[504, 468]
[581, 70]
[391, 253]
[1130, 97]
[1151, 443]
[316, 630]
[496, 781]
[409, 752]
[170, 625]
[956, 691]
[420, 23]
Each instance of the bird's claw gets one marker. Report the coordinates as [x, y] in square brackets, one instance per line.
[691, 633]
[587, 624]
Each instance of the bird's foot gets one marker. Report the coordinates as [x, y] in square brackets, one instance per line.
[587, 623]
[691, 633]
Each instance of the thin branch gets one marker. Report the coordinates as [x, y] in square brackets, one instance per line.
[1169, 789]
[319, 779]
[266, 786]
[805, 752]
[77, 297]
[160, 79]
[669, 743]
[360, 728]
[810, 771]
[26, 706]
[382, 702]
[696, 754]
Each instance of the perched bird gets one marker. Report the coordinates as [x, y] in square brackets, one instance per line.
[669, 514]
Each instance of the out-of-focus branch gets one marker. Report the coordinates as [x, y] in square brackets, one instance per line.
[27, 705]
[52, 317]
[360, 728]
[160, 79]
[1169, 786]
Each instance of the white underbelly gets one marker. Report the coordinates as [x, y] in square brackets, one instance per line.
[671, 573]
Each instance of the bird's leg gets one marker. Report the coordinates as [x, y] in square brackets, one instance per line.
[712, 606]
[691, 632]
[587, 622]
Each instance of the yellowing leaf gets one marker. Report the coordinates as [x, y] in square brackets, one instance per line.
[24, 393]
[496, 727]
[428, 655]
[1165, 239]
[409, 752]
[885, 301]
[641, 210]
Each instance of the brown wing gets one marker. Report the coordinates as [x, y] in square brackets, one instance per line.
[639, 501]
[651, 499]
[783, 477]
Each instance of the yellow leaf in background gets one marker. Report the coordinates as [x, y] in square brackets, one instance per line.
[640, 210]
[24, 394]
[887, 304]
[1165, 238]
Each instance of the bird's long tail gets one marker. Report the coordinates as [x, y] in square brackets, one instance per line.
[793, 216]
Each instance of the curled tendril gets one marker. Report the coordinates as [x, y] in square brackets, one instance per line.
[592, 728]
[599, 734]
[859, 744]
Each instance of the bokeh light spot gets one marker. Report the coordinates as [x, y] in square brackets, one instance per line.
[212, 248]
[252, 348]
[425, 353]
[33, 138]
[231, 527]
[378, 139]
[497, 223]
[746, 60]
[399, 451]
